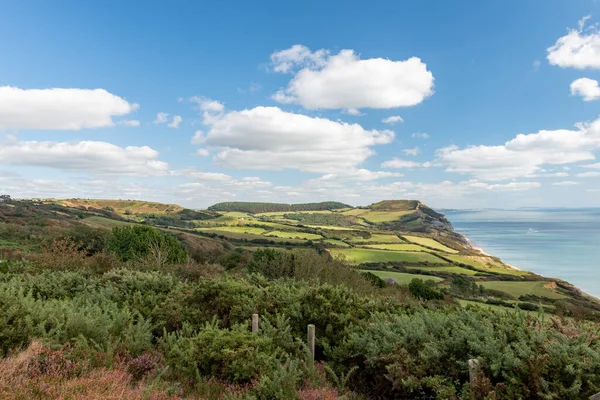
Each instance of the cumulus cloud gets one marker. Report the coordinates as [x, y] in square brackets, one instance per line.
[175, 122]
[161, 118]
[525, 154]
[595, 166]
[344, 81]
[360, 175]
[399, 164]
[392, 119]
[589, 174]
[418, 135]
[272, 139]
[565, 183]
[206, 104]
[202, 152]
[90, 156]
[586, 88]
[60, 109]
[198, 137]
[579, 48]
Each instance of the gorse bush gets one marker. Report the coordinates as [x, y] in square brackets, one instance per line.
[138, 241]
[189, 325]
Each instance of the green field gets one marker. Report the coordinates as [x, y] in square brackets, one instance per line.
[236, 229]
[359, 256]
[517, 289]
[403, 278]
[396, 247]
[384, 216]
[486, 264]
[378, 238]
[236, 214]
[453, 269]
[294, 235]
[101, 222]
[434, 244]
[330, 227]
[337, 242]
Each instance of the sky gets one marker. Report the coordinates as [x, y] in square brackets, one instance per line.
[466, 104]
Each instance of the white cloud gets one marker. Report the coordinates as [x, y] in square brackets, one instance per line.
[577, 49]
[273, 139]
[586, 88]
[360, 175]
[595, 166]
[398, 163]
[565, 183]
[176, 121]
[285, 61]
[198, 137]
[60, 109]
[206, 104]
[90, 156]
[202, 152]
[344, 81]
[392, 119]
[589, 174]
[525, 154]
[131, 122]
[353, 111]
[161, 118]
[536, 65]
[415, 151]
[418, 135]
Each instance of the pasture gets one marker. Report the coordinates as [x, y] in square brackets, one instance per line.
[397, 247]
[378, 238]
[516, 289]
[428, 242]
[402, 277]
[359, 256]
[294, 235]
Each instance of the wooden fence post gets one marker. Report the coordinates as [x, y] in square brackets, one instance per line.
[595, 397]
[311, 340]
[254, 323]
[473, 375]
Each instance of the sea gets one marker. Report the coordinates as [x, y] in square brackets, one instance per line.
[558, 243]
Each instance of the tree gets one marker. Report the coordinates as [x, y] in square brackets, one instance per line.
[419, 289]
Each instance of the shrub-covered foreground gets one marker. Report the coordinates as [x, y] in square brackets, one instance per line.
[183, 331]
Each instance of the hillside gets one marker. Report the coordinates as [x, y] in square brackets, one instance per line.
[93, 299]
[121, 206]
[255, 208]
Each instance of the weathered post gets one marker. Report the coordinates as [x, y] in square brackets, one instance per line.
[311, 340]
[254, 323]
[473, 374]
[595, 397]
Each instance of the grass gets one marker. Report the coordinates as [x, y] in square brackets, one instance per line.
[487, 264]
[452, 269]
[383, 216]
[330, 227]
[359, 256]
[434, 244]
[355, 212]
[236, 214]
[402, 277]
[516, 289]
[396, 247]
[249, 236]
[378, 238]
[337, 242]
[236, 229]
[294, 235]
[101, 222]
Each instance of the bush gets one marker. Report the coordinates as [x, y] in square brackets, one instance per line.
[138, 241]
[420, 290]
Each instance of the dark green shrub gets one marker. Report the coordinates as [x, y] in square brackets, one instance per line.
[421, 290]
[138, 241]
[374, 279]
[272, 264]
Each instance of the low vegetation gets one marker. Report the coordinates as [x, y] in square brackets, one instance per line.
[90, 310]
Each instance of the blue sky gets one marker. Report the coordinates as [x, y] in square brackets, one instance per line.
[269, 101]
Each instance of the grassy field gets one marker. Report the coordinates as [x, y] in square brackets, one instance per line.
[236, 214]
[293, 235]
[359, 256]
[396, 247]
[430, 243]
[383, 216]
[378, 238]
[277, 213]
[403, 278]
[452, 269]
[486, 264]
[236, 229]
[120, 206]
[330, 227]
[101, 222]
[516, 289]
[337, 242]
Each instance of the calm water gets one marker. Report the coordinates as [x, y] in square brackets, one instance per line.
[560, 243]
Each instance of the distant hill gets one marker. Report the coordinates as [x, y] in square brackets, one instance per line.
[256, 208]
[412, 215]
[122, 206]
